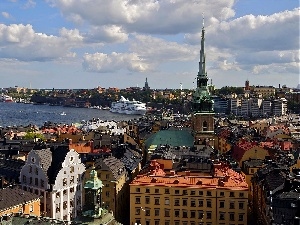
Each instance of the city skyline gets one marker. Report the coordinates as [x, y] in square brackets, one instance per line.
[80, 44]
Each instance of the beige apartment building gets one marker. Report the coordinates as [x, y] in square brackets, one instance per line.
[158, 198]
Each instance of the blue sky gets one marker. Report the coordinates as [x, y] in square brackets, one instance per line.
[118, 43]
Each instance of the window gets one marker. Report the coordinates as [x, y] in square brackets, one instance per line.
[167, 222]
[147, 190]
[222, 204]
[137, 200]
[193, 203]
[65, 182]
[57, 194]
[137, 211]
[30, 180]
[107, 176]
[31, 208]
[167, 191]
[200, 203]
[184, 202]
[200, 214]
[137, 189]
[184, 192]
[36, 191]
[156, 190]
[193, 214]
[107, 193]
[241, 217]
[36, 171]
[167, 201]
[222, 216]
[231, 205]
[241, 195]
[193, 192]
[184, 213]
[204, 126]
[72, 180]
[176, 192]
[30, 169]
[65, 205]
[72, 169]
[36, 181]
[57, 208]
[241, 205]
[231, 194]
[208, 204]
[222, 193]
[156, 201]
[200, 193]
[24, 179]
[208, 215]
[156, 212]
[147, 200]
[208, 193]
[71, 189]
[167, 212]
[176, 213]
[64, 192]
[176, 202]
[231, 216]
[156, 222]
[147, 212]
[42, 183]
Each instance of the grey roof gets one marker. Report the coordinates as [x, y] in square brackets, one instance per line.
[111, 164]
[10, 197]
[11, 168]
[131, 159]
[45, 157]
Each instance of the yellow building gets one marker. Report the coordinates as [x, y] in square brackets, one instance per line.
[112, 173]
[189, 198]
[249, 168]
[14, 200]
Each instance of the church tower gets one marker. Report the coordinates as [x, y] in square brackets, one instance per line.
[203, 105]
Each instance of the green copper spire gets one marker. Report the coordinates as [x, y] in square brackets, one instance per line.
[94, 182]
[202, 101]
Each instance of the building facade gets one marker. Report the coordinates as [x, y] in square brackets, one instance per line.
[56, 175]
[158, 198]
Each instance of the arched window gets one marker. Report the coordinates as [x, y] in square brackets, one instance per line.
[204, 126]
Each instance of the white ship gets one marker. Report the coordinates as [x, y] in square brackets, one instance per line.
[126, 106]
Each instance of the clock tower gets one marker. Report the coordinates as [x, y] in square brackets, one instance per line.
[203, 105]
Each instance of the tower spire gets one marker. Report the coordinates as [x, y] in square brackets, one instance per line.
[202, 52]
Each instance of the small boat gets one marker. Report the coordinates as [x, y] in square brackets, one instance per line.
[63, 114]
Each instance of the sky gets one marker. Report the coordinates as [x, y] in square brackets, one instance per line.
[119, 43]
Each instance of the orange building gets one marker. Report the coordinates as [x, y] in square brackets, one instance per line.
[14, 200]
[188, 198]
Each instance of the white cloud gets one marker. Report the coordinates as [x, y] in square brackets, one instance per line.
[106, 34]
[103, 63]
[147, 16]
[20, 42]
[160, 50]
[6, 15]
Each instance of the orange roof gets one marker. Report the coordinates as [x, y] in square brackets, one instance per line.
[224, 178]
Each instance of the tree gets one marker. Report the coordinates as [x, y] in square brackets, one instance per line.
[33, 135]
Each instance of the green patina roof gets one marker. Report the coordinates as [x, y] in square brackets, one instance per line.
[171, 137]
[94, 182]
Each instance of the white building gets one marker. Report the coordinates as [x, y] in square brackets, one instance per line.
[56, 175]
